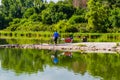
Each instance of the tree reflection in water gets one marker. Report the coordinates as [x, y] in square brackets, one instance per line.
[31, 61]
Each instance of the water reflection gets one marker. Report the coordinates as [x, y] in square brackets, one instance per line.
[67, 53]
[23, 41]
[54, 57]
[74, 65]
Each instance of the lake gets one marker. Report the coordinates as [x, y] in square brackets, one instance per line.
[33, 64]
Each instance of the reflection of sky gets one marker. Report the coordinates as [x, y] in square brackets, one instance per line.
[50, 73]
[0, 63]
[0, 2]
[52, 0]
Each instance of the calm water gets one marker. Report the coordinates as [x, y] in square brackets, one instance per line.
[31, 64]
[24, 41]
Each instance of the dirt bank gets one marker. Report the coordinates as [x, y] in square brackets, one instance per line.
[89, 47]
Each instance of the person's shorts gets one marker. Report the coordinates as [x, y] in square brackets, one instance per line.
[55, 39]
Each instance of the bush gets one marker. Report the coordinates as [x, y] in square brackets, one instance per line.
[35, 17]
[29, 12]
[76, 19]
[71, 29]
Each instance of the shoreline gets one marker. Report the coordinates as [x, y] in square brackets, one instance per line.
[85, 47]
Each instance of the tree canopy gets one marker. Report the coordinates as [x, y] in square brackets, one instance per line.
[98, 16]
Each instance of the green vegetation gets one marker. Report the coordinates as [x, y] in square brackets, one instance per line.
[99, 16]
[47, 37]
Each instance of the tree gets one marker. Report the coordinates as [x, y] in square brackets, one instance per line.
[16, 8]
[1, 20]
[76, 19]
[4, 21]
[115, 19]
[97, 16]
[56, 12]
[29, 12]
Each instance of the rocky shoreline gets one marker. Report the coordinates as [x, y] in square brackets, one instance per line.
[87, 47]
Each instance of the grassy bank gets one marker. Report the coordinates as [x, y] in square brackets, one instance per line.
[92, 37]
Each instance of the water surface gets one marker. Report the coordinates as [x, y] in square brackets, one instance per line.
[32, 64]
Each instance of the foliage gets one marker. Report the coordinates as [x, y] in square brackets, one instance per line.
[76, 19]
[4, 21]
[99, 16]
[56, 12]
[29, 12]
[1, 20]
[25, 25]
[115, 17]
[30, 37]
[61, 26]
[71, 28]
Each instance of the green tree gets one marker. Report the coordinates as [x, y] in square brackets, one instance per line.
[61, 26]
[29, 12]
[77, 19]
[4, 21]
[114, 20]
[1, 20]
[16, 8]
[115, 17]
[56, 12]
[97, 15]
[113, 3]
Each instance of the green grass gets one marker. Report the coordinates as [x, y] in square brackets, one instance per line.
[47, 36]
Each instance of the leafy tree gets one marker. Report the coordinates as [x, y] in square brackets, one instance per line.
[14, 24]
[29, 12]
[61, 26]
[97, 16]
[1, 20]
[113, 3]
[46, 17]
[16, 8]
[114, 20]
[71, 28]
[56, 12]
[4, 21]
[35, 17]
[80, 11]
[68, 1]
[76, 19]
[11, 8]
[115, 17]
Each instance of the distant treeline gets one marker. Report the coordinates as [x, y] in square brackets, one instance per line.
[64, 16]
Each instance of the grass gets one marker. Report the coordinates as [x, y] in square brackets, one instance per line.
[92, 37]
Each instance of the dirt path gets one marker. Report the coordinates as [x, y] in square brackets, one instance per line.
[89, 47]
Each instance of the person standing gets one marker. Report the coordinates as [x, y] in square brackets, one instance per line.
[84, 39]
[55, 36]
